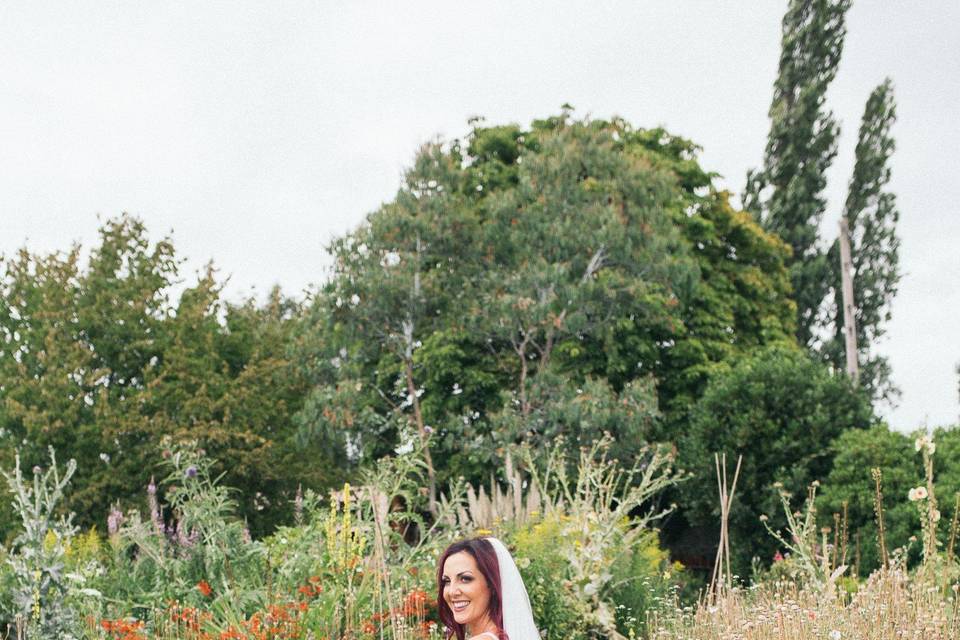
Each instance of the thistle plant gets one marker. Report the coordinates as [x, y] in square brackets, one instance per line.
[811, 555]
[38, 553]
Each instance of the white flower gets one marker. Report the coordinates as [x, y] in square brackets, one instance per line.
[917, 493]
[936, 515]
[456, 389]
[105, 457]
[924, 442]
[354, 299]
[834, 635]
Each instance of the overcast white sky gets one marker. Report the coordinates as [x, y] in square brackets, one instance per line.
[256, 131]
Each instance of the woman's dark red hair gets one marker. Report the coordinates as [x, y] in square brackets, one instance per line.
[486, 558]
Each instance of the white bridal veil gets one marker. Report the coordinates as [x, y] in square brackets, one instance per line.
[517, 614]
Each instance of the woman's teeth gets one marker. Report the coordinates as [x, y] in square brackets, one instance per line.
[460, 606]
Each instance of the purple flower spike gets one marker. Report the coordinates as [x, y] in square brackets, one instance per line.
[114, 520]
[191, 472]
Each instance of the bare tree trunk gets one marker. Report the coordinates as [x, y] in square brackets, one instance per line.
[849, 305]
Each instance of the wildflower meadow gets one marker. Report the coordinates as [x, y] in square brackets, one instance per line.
[360, 563]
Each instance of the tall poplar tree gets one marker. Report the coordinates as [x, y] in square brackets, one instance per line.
[872, 215]
[787, 194]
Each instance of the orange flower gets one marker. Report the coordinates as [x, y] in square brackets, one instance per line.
[123, 629]
[204, 588]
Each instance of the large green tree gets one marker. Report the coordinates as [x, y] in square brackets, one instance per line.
[871, 214]
[566, 278]
[97, 361]
[787, 192]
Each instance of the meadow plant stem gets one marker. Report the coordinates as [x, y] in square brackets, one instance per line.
[951, 546]
[844, 533]
[836, 542]
[878, 510]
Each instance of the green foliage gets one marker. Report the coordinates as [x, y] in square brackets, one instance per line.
[540, 566]
[899, 460]
[777, 409]
[99, 361]
[741, 303]
[533, 282]
[787, 194]
[644, 581]
[855, 453]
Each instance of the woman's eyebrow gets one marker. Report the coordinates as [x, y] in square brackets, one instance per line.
[462, 573]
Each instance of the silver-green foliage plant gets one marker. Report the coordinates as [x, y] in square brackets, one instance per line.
[37, 557]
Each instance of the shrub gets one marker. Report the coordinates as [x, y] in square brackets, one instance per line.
[778, 409]
[541, 565]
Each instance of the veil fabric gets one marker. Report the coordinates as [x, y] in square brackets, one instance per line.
[517, 613]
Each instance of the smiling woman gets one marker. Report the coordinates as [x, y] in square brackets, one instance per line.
[481, 593]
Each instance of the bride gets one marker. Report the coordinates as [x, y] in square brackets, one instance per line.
[481, 594]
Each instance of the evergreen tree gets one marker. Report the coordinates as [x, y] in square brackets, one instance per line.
[787, 194]
[871, 214]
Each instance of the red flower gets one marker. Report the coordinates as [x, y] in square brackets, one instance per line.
[204, 588]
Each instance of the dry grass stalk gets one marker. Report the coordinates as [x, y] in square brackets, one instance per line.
[953, 528]
[878, 511]
[487, 510]
[890, 605]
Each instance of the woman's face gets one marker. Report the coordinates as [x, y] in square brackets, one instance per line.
[465, 590]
